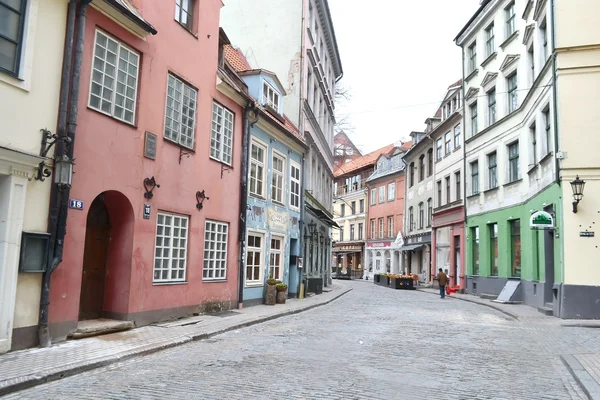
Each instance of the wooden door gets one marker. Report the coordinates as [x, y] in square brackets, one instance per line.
[97, 238]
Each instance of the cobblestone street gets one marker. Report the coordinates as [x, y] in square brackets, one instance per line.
[373, 343]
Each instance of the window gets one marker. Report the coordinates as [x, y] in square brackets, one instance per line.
[180, 117]
[515, 248]
[381, 194]
[342, 210]
[510, 20]
[352, 232]
[342, 234]
[360, 231]
[475, 246]
[390, 222]
[531, 62]
[438, 149]
[422, 167]
[184, 13]
[353, 208]
[533, 139]
[391, 191]
[381, 227]
[270, 96]
[429, 162]
[221, 134]
[493, 249]
[474, 177]
[254, 257]
[457, 137]
[12, 14]
[473, 111]
[448, 141]
[114, 82]
[473, 57]
[373, 229]
[447, 179]
[294, 185]
[170, 253]
[490, 47]
[492, 170]
[361, 205]
[491, 106]
[411, 176]
[215, 250]
[513, 97]
[513, 162]
[421, 215]
[275, 258]
[410, 219]
[544, 33]
[373, 196]
[547, 140]
[457, 183]
[257, 169]
[429, 211]
[439, 193]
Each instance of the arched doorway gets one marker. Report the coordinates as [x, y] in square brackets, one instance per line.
[95, 255]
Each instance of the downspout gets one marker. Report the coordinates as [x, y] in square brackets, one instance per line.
[464, 156]
[248, 123]
[301, 243]
[66, 129]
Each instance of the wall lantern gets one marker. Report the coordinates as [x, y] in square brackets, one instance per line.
[34, 252]
[149, 185]
[321, 238]
[577, 185]
[200, 197]
[63, 171]
[312, 228]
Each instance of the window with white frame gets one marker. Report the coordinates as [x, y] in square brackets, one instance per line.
[215, 250]
[276, 258]
[373, 235]
[438, 149]
[547, 140]
[180, 116]
[513, 97]
[474, 177]
[457, 137]
[544, 34]
[533, 140]
[381, 194]
[170, 252]
[184, 13]
[390, 222]
[373, 196]
[391, 191]
[473, 110]
[473, 57]
[254, 258]
[277, 178]
[257, 169]
[513, 162]
[12, 25]
[410, 219]
[492, 170]
[221, 139]
[270, 96]
[381, 228]
[490, 46]
[491, 95]
[448, 143]
[294, 185]
[429, 211]
[421, 215]
[113, 87]
[510, 19]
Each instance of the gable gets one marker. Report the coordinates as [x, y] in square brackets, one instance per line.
[471, 93]
[490, 77]
[540, 6]
[509, 61]
[528, 34]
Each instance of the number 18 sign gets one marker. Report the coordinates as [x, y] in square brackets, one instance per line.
[76, 204]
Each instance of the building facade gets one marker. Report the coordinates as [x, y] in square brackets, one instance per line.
[510, 151]
[153, 234]
[30, 79]
[448, 213]
[386, 213]
[418, 208]
[299, 45]
[344, 150]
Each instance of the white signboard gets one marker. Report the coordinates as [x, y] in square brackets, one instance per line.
[541, 220]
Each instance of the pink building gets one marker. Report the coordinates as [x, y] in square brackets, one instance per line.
[150, 113]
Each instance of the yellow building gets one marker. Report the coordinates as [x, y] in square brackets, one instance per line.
[31, 59]
[577, 68]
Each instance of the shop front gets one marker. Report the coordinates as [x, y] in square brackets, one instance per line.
[448, 241]
[417, 256]
[347, 261]
[383, 257]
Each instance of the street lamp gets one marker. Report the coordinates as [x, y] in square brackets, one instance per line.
[577, 185]
[63, 171]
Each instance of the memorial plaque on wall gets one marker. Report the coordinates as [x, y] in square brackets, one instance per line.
[150, 146]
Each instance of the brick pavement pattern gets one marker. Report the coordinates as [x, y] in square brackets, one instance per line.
[373, 343]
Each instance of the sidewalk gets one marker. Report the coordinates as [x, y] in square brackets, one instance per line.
[26, 368]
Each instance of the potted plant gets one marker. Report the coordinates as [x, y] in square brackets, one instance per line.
[281, 288]
[270, 297]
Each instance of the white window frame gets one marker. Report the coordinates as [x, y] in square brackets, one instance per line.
[373, 228]
[381, 228]
[390, 222]
[391, 191]
[373, 197]
[511, 19]
[177, 132]
[281, 253]
[275, 186]
[166, 243]
[261, 266]
[490, 46]
[217, 262]
[112, 88]
[270, 96]
[221, 137]
[381, 194]
[295, 181]
[263, 164]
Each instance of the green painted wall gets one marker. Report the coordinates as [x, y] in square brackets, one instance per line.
[532, 241]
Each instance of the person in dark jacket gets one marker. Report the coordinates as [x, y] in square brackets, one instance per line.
[443, 281]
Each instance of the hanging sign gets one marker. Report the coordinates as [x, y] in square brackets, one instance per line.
[541, 220]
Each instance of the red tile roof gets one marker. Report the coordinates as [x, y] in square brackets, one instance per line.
[457, 83]
[367, 159]
[236, 59]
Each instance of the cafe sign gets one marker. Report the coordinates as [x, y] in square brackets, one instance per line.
[278, 220]
[541, 220]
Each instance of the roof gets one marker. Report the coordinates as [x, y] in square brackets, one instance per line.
[367, 159]
[236, 59]
[125, 7]
[482, 6]
[455, 84]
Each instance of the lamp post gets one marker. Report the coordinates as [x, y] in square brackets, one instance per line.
[577, 186]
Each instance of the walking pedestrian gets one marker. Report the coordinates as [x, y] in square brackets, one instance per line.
[443, 281]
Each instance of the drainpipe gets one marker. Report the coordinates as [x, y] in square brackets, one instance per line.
[248, 123]
[464, 156]
[66, 128]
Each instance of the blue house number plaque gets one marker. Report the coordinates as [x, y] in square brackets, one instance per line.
[76, 204]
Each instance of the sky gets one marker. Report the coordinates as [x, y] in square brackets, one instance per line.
[399, 57]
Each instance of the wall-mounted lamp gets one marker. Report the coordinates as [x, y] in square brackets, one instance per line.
[577, 185]
[200, 197]
[312, 228]
[149, 185]
[321, 238]
[63, 171]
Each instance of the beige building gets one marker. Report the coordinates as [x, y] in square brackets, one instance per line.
[30, 71]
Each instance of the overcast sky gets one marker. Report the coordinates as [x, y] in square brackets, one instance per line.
[399, 57]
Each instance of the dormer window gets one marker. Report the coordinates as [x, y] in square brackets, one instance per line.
[270, 96]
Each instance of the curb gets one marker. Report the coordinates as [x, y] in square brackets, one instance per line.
[513, 316]
[585, 381]
[30, 381]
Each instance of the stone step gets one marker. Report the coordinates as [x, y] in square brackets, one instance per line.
[488, 296]
[97, 327]
[546, 311]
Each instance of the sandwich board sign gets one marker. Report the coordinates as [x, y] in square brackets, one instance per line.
[541, 220]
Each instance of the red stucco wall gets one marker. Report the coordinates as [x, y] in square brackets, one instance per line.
[388, 208]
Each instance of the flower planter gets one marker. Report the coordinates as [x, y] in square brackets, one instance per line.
[377, 279]
[270, 298]
[280, 297]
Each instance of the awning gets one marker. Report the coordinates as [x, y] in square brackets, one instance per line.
[411, 247]
[323, 217]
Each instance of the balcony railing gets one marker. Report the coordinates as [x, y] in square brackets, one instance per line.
[354, 187]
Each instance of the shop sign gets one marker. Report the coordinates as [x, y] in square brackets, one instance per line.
[541, 220]
[379, 244]
[419, 239]
[278, 220]
[587, 234]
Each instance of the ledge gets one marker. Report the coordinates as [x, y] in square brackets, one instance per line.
[473, 195]
[532, 168]
[546, 157]
[471, 75]
[509, 39]
[489, 59]
[492, 189]
[513, 182]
